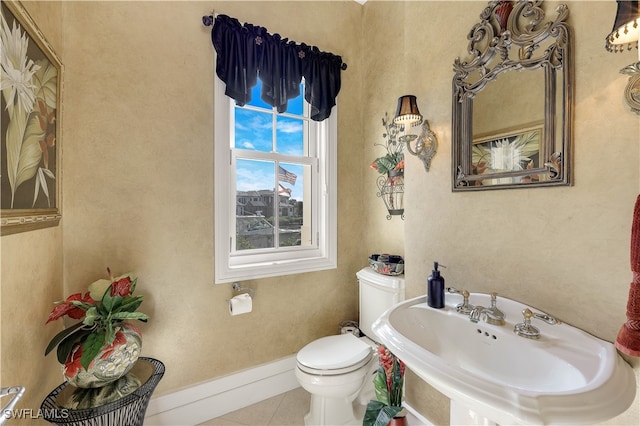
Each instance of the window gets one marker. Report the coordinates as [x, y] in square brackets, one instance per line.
[275, 189]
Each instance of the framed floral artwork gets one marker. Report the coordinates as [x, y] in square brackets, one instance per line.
[31, 82]
[509, 156]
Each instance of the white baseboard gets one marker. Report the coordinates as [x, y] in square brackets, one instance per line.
[223, 395]
[414, 418]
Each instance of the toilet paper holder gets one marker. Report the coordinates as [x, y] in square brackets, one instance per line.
[238, 289]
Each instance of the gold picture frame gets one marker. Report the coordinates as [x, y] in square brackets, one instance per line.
[30, 173]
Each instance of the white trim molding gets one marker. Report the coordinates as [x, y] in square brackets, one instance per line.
[223, 395]
[414, 418]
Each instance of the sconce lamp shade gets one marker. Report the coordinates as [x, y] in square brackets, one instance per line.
[407, 113]
[626, 28]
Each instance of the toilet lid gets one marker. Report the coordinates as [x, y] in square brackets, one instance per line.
[334, 352]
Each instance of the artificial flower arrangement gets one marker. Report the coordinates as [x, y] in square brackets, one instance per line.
[101, 330]
[394, 158]
[388, 383]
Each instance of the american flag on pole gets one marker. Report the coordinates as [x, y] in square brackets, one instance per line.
[286, 176]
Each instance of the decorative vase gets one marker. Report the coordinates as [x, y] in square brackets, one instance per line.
[398, 421]
[85, 398]
[110, 364]
[392, 192]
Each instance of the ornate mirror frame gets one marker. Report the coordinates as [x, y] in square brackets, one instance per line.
[512, 36]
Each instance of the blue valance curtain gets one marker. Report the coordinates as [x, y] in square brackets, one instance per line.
[246, 52]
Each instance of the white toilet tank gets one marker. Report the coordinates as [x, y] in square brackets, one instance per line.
[377, 294]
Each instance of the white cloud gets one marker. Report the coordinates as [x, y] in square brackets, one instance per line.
[290, 126]
[247, 145]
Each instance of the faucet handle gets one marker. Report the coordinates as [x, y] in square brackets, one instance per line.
[547, 318]
[494, 299]
[525, 329]
[465, 307]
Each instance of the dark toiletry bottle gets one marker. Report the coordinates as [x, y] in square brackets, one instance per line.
[435, 288]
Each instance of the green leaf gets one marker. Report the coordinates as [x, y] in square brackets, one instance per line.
[130, 303]
[111, 334]
[110, 303]
[64, 349]
[386, 414]
[130, 315]
[387, 163]
[66, 345]
[91, 347]
[81, 304]
[371, 414]
[396, 392]
[379, 414]
[61, 336]
[46, 83]
[380, 385]
[134, 281]
[24, 157]
[91, 316]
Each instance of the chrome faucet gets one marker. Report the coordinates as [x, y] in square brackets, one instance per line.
[490, 315]
[474, 315]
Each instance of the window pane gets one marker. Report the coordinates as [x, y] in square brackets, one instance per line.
[254, 204]
[295, 105]
[256, 101]
[253, 130]
[290, 136]
[294, 193]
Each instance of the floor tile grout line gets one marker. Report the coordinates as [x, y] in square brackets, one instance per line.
[276, 408]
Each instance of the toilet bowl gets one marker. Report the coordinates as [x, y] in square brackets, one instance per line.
[334, 370]
[338, 370]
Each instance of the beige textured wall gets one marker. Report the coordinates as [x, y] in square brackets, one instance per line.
[382, 73]
[138, 186]
[31, 279]
[562, 250]
[139, 180]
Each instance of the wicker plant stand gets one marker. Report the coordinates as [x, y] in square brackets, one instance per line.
[127, 411]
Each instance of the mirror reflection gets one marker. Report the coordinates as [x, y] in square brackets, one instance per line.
[512, 100]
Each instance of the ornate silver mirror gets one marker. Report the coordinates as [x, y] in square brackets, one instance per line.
[512, 100]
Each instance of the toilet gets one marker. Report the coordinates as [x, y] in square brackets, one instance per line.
[338, 370]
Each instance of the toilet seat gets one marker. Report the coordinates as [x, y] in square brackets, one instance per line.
[334, 355]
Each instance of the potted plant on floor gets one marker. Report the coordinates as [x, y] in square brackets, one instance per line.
[388, 383]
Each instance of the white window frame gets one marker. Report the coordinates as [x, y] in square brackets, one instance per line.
[322, 255]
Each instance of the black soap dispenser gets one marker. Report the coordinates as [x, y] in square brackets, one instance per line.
[435, 288]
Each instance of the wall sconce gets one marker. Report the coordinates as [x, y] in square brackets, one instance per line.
[407, 116]
[624, 36]
[391, 166]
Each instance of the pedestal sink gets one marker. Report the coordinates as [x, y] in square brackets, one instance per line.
[494, 376]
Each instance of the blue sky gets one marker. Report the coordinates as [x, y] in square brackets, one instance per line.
[253, 132]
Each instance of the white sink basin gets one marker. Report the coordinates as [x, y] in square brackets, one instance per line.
[566, 376]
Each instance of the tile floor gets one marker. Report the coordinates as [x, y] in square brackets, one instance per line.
[287, 409]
